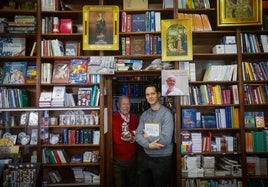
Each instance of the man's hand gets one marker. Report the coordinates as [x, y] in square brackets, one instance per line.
[145, 135]
[155, 145]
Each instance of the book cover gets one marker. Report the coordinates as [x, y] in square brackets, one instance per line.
[66, 25]
[135, 4]
[259, 119]
[137, 45]
[57, 47]
[188, 118]
[71, 48]
[31, 73]
[60, 72]
[249, 119]
[58, 93]
[208, 120]
[78, 70]
[12, 46]
[14, 72]
[138, 23]
[84, 96]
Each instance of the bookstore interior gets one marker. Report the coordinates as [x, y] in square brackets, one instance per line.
[64, 65]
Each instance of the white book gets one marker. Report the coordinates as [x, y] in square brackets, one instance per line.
[61, 155]
[157, 21]
[58, 93]
[152, 129]
[264, 42]
[96, 137]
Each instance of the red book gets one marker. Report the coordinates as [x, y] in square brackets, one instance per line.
[124, 22]
[66, 25]
[128, 50]
[57, 157]
[129, 21]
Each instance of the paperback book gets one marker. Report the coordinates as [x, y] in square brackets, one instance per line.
[60, 72]
[78, 71]
[14, 72]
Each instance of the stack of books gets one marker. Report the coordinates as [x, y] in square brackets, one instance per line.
[58, 96]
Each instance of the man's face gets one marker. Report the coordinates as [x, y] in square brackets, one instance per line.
[124, 106]
[151, 95]
[171, 82]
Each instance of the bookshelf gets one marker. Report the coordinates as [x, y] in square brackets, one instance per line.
[203, 57]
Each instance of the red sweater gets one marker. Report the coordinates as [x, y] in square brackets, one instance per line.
[123, 150]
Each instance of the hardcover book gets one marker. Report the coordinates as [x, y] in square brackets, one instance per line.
[60, 72]
[189, 118]
[78, 70]
[138, 23]
[137, 45]
[66, 26]
[14, 72]
[71, 48]
[135, 4]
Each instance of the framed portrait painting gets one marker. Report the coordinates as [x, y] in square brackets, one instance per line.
[176, 39]
[100, 27]
[239, 12]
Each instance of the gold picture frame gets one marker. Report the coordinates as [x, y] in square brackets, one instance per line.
[176, 39]
[239, 12]
[101, 27]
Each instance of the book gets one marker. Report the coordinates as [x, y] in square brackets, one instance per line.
[57, 48]
[135, 4]
[249, 119]
[45, 99]
[188, 118]
[31, 73]
[138, 23]
[12, 46]
[14, 72]
[208, 120]
[60, 72]
[84, 96]
[137, 45]
[78, 70]
[71, 48]
[66, 25]
[152, 129]
[259, 119]
[33, 50]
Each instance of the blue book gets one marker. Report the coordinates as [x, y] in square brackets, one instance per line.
[93, 96]
[209, 120]
[152, 21]
[188, 118]
[138, 23]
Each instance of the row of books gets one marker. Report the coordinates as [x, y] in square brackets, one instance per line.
[13, 97]
[81, 136]
[221, 73]
[254, 119]
[196, 142]
[78, 119]
[256, 141]
[255, 71]
[21, 24]
[213, 183]
[71, 71]
[52, 5]
[207, 94]
[143, 22]
[58, 97]
[257, 166]
[57, 25]
[223, 117]
[254, 43]
[18, 73]
[54, 156]
[200, 22]
[147, 44]
[255, 94]
[193, 4]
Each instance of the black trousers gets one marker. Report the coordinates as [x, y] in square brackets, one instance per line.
[154, 171]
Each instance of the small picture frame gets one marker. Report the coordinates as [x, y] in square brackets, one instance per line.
[239, 13]
[176, 39]
[101, 27]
